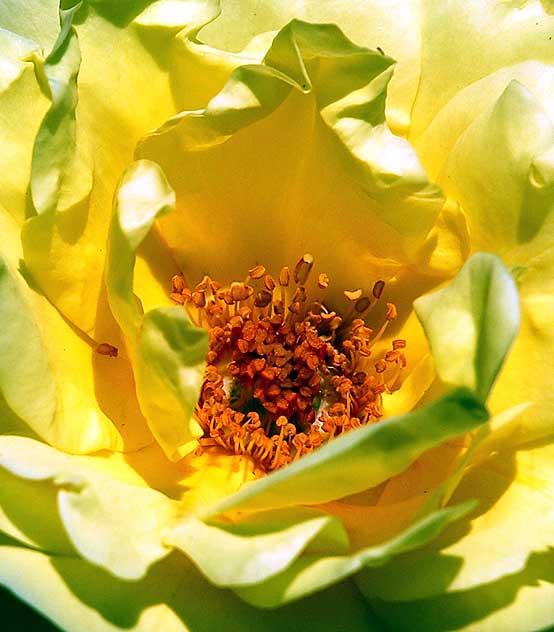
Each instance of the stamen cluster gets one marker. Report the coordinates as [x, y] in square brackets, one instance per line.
[284, 373]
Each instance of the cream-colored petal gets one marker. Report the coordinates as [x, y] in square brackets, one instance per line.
[113, 524]
[479, 38]
[512, 525]
[173, 597]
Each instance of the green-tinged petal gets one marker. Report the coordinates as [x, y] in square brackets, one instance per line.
[361, 459]
[501, 170]
[26, 381]
[392, 26]
[143, 195]
[112, 524]
[493, 566]
[525, 383]
[61, 171]
[312, 573]
[55, 155]
[21, 99]
[173, 597]
[100, 116]
[28, 513]
[257, 547]
[173, 357]
[48, 377]
[166, 350]
[36, 20]
[517, 603]
[323, 98]
[476, 37]
[471, 324]
[439, 138]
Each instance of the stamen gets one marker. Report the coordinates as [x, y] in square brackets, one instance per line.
[285, 373]
[378, 289]
[323, 281]
[303, 268]
[284, 277]
[105, 348]
[257, 272]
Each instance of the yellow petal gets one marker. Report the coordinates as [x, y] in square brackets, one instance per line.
[173, 597]
[500, 169]
[369, 181]
[86, 413]
[392, 26]
[21, 99]
[511, 526]
[526, 380]
[480, 40]
[112, 524]
[65, 247]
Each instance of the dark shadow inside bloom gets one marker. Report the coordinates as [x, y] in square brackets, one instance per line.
[536, 204]
[463, 608]
[443, 568]
[201, 607]
[120, 13]
[26, 617]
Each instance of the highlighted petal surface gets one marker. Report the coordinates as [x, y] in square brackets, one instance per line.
[501, 171]
[322, 97]
[499, 572]
[110, 523]
[173, 596]
[166, 350]
[481, 310]
[47, 377]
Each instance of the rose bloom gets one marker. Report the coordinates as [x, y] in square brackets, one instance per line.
[276, 343]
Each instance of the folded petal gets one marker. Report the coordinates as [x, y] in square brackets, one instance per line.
[167, 352]
[111, 523]
[480, 39]
[87, 138]
[392, 26]
[173, 596]
[439, 138]
[471, 324]
[49, 376]
[501, 169]
[257, 547]
[373, 205]
[311, 573]
[493, 569]
[360, 459]
[21, 99]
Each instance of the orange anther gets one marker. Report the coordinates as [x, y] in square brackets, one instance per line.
[105, 348]
[322, 281]
[256, 272]
[354, 295]
[378, 288]
[303, 268]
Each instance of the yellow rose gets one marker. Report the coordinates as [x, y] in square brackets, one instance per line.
[273, 142]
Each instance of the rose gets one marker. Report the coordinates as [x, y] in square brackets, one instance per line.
[113, 522]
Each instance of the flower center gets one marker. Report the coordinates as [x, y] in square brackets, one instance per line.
[284, 373]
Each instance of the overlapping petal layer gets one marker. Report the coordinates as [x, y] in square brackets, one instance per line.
[323, 99]
[263, 122]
